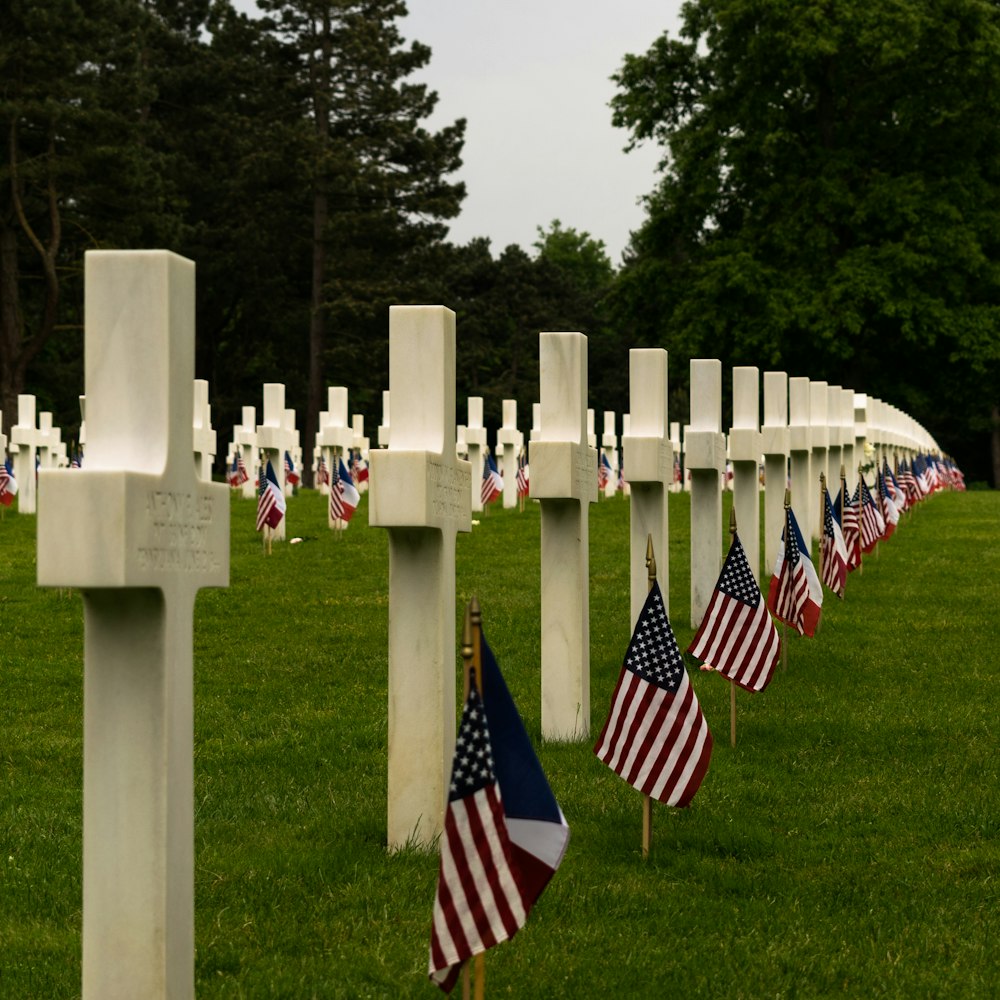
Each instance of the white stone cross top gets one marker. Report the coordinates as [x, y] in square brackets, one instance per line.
[774, 444]
[564, 479]
[834, 454]
[819, 437]
[272, 440]
[204, 434]
[705, 456]
[609, 445]
[420, 491]
[848, 457]
[745, 452]
[383, 428]
[648, 458]
[509, 442]
[139, 534]
[335, 437]
[799, 444]
[24, 440]
[475, 444]
[49, 442]
[245, 441]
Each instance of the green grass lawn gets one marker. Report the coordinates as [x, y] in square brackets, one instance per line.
[848, 846]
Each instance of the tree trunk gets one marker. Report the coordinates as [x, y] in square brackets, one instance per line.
[10, 325]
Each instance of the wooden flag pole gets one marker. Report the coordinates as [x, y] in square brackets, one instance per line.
[647, 800]
[474, 973]
[732, 684]
[784, 625]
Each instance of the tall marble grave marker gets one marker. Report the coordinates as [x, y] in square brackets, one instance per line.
[705, 451]
[245, 441]
[648, 456]
[24, 440]
[272, 441]
[819, 437]
[383, 428]
[609, 445]
[335, 438]
[800, 446]
[139, 534]
[421, 492]
[745, 452]
[204, 434]
[774, 445]
[509, 441]
[564, 480]
[475, 444]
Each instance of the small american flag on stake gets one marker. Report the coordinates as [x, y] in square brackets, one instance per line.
[655, 736]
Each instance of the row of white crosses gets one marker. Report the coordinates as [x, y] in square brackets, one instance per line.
[150, 531]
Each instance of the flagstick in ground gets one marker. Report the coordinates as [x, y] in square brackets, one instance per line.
[647, 800]
[732, 683]
[474, 973]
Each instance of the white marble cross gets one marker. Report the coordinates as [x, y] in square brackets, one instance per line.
[421, 492]
[335, 438]
[648, 457]
[361, 444]
[50, 444]
[509, 442]
[774, 444]
[292, 447]
[564, 479]
[819, 436]
[272, 440]
[745, 452]
[139, 534]
[609, 446]
[245, 442]
[475, 443]
[383, 428]
[24, 440]
[204, 434]
[799, 445]
[835, 452]
[705, 454]
[848, 460]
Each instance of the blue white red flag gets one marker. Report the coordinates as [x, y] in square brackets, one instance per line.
[794, 595]
[505, 834]
[604, 472]
[492, 485]
[8, 484]
[322, 472]
[344, 496]
[270, 500]
[833, 550]
[291, 476]
[522, 474]
[655, 736]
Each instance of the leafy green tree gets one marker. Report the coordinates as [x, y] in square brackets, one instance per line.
[376, 177]
[830, 198]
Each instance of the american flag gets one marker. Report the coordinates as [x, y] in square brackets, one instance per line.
[834, 550]
[291, 476]
[892, 485]
[492, 485]
[847, 509]
[237, 474]
[359, 467]
[794, 595]
[344, 497]
[8, 484]
[908, 481]
[655, 736]
[479, 901]
[522, 474]
[737, 637]
[270, 500]
[872, 522]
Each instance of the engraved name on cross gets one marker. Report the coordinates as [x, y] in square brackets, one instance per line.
[139, 534]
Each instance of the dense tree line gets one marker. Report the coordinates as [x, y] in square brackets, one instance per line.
[288, 156]
[827, 202]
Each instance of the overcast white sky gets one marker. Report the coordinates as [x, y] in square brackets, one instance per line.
[532, 79]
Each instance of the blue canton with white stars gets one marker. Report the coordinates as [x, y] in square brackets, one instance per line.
[653, 654]
[472, 767]
[737, 580]
[791, 543]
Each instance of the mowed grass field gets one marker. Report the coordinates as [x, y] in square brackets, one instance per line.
[848, 846]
